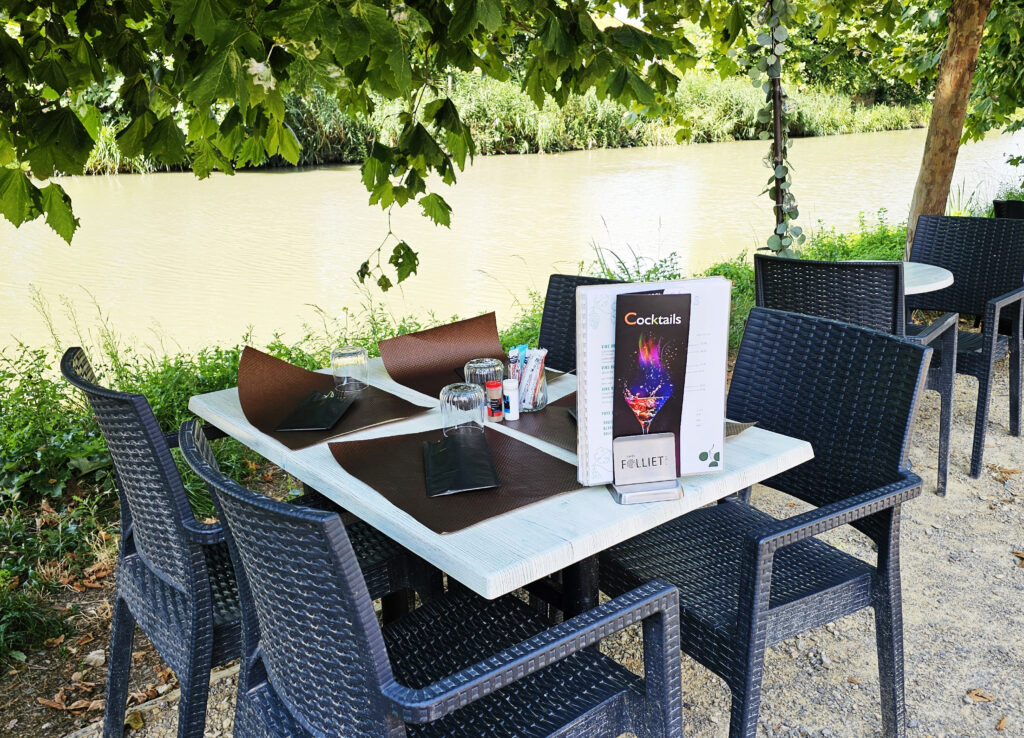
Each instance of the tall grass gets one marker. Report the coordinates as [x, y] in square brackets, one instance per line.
[505, 121]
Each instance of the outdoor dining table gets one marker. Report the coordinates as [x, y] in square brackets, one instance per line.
[504, 553]
[919, 278]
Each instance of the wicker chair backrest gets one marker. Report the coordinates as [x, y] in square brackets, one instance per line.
[847, 390]
[1009, 208]
[558, 322]
[147, 479]
[986, 256]
[868, 294]
[299, 583]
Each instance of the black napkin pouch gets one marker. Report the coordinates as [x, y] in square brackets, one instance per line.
[317, 412]
[458, 463]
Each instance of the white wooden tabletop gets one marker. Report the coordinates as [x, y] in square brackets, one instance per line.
[918, 278]
[504, 553]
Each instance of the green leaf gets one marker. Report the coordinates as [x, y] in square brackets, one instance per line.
[404, 260]
[490, 15]
[55, 202]
[290, 148]
[375, 172]
[130, 139]
[62, 143]
[306, 21]
[196, 16]
[781, 171]
[435, 208]
[703, 456]
[780, 33]
[734, 23]
[18, 656]
[464, 19]
[165, 142]
[353, 42]
[221, 78]
[384, 283]
[18, 196]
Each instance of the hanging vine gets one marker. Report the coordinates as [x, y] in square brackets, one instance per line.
[765, 70]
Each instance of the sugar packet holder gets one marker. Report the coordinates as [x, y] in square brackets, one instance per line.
[526, 367]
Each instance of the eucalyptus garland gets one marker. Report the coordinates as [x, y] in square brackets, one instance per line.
[765, 70]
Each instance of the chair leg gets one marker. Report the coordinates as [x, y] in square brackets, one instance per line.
[746, 701]
[395, 605]
[195, 691]
[889, 642]
[746, 685]
[945, 428]
[980, 424]
[122, 635]
[1015, 387]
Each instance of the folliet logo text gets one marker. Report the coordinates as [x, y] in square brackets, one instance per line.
[631, 318]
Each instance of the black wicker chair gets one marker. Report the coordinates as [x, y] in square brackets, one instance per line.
[174, 574]
[316, 663]
[986, 256]
[748, 580]
[558, 322]
[868, 294]
[1009, 208]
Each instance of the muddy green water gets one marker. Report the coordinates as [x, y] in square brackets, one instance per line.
[175, 262]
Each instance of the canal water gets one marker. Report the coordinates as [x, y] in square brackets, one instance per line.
[174, 262]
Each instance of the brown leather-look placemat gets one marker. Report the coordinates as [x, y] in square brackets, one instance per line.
[552, 424]
[269, 389]
[426, 361]
[394, 467]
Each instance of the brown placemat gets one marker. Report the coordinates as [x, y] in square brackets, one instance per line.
[394, 467]
[552, 424]
[269, 389]
[427, 360]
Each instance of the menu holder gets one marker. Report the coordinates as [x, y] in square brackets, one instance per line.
[458, 463]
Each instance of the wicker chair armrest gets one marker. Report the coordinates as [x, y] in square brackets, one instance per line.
[769, 538]
[211, 432]
[1006, 300]
[205, 534]
[937, 330]
[481, 679]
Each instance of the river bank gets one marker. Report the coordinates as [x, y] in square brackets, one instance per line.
[504, 120]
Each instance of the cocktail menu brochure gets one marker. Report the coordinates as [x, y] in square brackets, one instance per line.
[662, 370]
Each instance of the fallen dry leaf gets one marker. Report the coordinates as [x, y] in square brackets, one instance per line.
[1001, 725]
[54, 642]
[853, 680]
[134, 721]
[87, 638]
[96, 705]
[978, 695]
[1003, 474]
[79, 704]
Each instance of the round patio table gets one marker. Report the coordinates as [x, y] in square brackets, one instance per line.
[918, 278]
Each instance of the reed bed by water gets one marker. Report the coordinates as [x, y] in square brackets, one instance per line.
[505, 121]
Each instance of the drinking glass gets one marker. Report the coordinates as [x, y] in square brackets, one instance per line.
[348, 365]
[482, 371]
[462, 409]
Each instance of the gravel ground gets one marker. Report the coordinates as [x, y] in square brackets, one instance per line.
[963, 614]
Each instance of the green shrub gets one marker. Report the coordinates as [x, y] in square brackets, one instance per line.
[25, 620]
[878, 240]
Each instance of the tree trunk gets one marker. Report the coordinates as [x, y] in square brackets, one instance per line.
[952, 91]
